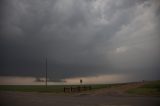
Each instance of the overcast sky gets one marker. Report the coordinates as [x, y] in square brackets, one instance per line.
[80, 38]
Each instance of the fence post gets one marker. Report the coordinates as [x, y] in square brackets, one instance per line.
[71, 89]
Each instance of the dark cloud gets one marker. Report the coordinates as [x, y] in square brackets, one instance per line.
[80, 38]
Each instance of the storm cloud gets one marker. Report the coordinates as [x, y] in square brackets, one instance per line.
[80, 38]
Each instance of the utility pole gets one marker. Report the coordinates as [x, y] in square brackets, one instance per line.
[46, 73]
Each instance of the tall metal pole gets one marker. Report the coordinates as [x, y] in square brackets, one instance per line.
[46, 72]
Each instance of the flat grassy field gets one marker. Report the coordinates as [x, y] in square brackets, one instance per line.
[149, 88]
[139, 88]
[42, 88]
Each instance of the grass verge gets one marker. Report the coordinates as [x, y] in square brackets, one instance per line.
[150, 88]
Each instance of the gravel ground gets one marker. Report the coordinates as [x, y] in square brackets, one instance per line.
[47, 99]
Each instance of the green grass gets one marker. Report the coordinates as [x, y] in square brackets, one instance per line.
[31, 88]
[42, 88]
[150, 88]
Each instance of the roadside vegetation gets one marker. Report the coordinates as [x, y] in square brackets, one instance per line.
[42, 88]
[150, 88]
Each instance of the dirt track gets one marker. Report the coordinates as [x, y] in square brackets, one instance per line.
[41, 99]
